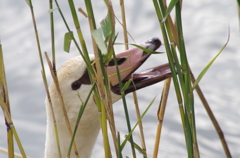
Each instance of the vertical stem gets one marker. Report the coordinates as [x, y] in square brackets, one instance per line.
[173, 58]
[55, 72]
[213, 118]
[37, 37]
[171, 61]
[119, 146]
[188, 96]
[4, 89]
[53, 116]
[160, 115]
[56, 83]
[124, 24]
[4, 103]
[103, 87]
[140, 125]
[125, 107]
[52, 36]
[105, 133]
[78, 28]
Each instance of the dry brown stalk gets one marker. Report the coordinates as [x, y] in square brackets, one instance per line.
[142, 138]
[212, 117]
[4, 93]
[160, 115]
[53, 115]
[83, 12]
[106, 102]
[56, 83]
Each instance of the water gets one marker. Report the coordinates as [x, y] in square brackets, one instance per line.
[205, 24]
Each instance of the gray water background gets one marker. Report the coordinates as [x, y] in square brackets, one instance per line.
[205, 26]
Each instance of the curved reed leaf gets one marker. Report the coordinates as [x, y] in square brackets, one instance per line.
[130, 133]
[202, 73]
[97, 35]
[68, 37]
[169, 9]
[106, 27]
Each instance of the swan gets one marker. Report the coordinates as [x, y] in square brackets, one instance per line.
[74, 82]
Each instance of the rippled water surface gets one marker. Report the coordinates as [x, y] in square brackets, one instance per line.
[206, 25]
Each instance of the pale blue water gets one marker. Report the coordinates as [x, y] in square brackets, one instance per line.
[205, 25]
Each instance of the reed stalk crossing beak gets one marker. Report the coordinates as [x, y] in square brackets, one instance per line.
[132, 59]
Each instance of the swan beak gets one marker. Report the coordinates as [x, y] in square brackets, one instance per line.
[132, 59]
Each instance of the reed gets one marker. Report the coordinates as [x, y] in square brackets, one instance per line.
[5, 105]
[174, 42]
[103, 41]
[238, 2]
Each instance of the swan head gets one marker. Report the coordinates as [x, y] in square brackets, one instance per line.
[75, 86]
[74, 78]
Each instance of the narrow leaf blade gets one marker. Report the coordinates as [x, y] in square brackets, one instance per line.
[169, 9]
[106, 26]
[130, 133]
[126, 85]
[68, 37]
[146, 50]
[202, 73]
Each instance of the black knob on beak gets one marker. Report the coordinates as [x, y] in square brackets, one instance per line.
[154, 41]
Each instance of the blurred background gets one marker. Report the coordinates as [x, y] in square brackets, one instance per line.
[205, 25]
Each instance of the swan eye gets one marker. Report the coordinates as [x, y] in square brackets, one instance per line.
[76, 85]
[119, 61]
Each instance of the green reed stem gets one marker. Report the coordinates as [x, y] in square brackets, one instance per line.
[124, 24]
[54, 70]
[80, 113]
[56, 82]
[213, 118]
[238, 1]
[172, 55]
[187, 114]
[103, 86]
[78, 29]
[188, 97]
[52, 36]
[53, 116]
[125, 107]
[171, 61]
[37, 38]
[86, 60]
[4, 89]
[119, 145]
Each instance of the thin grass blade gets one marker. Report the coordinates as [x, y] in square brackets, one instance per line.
[130, 133]
[146, 50]
[169, 9]
[203, 72]
[126, 85]
[80, 113]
